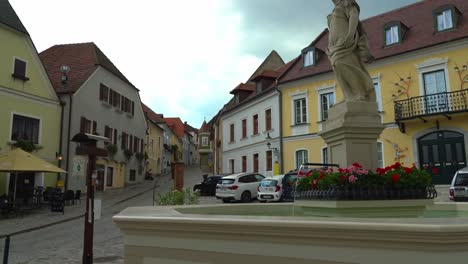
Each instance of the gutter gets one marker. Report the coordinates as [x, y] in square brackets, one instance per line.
[62, 106]
[280, 99]
[68, 138]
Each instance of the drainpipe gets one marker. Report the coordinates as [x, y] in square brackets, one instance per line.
[62, 106]
[280, 99]
[68, 137]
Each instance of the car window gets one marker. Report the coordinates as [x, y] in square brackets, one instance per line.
[244, 179]
[268, 183]
[461, 180]
[226, 181]
[259, 177]
[213, 179]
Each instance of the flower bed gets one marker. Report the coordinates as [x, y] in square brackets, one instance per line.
[356, 183]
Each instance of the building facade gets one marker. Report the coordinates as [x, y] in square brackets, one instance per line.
[30, 109]
[154, 142]
[419, 75]
[98, 100]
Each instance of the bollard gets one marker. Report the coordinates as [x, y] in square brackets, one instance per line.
[6, 249]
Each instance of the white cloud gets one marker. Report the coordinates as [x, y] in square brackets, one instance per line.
[184, 56]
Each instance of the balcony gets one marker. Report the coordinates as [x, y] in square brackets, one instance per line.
[444, 104]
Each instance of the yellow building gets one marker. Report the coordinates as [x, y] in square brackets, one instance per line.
[154, 141]
[420, 77]
[29, 107]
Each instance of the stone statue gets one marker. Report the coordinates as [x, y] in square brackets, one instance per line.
[348, 50]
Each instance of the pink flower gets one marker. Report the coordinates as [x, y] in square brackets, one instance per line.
[352, 179]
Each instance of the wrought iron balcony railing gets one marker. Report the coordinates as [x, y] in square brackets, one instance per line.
[435, 104]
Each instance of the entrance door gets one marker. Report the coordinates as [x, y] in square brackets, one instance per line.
[443, 153]
[24, 185]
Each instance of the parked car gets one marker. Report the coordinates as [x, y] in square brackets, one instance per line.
[208, 185]
[271, 189]
[459, 188]
[238, 187]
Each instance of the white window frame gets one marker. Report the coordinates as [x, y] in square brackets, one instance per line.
[309, 58]
[295, 156]
[383, 156]
[432, 65]
[301, 101]
[204, 141]
[394, 35]
[378, 92]
[320, 91]
[25, 115]
[297, 96]
[323, 156]
[445, 21]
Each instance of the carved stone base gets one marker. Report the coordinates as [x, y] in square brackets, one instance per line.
[351, 133]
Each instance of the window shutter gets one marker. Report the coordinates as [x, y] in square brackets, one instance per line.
[143, 145]
[133, 108]
[135, 144]
[106, 132]
[20, 69]
[94, 127]
[131, 143]
[122, 103]
[124, 135]
[115, 137]
[101, 92]
[111, 97]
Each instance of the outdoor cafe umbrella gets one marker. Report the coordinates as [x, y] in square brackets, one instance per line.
[18, 160]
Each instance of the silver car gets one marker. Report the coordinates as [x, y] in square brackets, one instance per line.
[459, 187]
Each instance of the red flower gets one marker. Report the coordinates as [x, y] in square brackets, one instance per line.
[380, 171]
[340, 170]
[309, 173]
[357, 165]
[435, 170]
[300, 173]
[387, 169]
[408, 170]
[343, 177]
[395, 177]
[397, 165]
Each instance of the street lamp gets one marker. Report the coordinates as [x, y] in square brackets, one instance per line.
[87, 146]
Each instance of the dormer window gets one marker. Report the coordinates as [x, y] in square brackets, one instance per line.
[308, 56]
[394, 32]
[392, 35]
[444, 20]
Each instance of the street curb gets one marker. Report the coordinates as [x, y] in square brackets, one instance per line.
[70, 218]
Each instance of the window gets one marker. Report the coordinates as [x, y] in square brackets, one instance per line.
[269, 160]
[268, 119]
[392, 35]
[302, 157]
[108, 133]
[255, 162]
[444, 20]
[115, 137]
[124, 142]
[94, 128]
[85, 125]
[132, 175]
[255, 124]
[136, 144]
[327, 100]
[131, 143]
[204, 141]
[110, 176]
[25, 128]
[309, 58]
[244, 128]
[19, 70]
[231, 165]
[300, 111]
[231, 133]
[434, 83]
[115, 99]
[380, 160]
[325, 155]
[104, 93]
[244, 163]
[378, 95]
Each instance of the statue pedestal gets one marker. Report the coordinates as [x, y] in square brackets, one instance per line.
[351, 133]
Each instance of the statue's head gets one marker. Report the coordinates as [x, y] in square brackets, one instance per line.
[336, 1]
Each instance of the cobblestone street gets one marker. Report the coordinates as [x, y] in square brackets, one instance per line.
[63, 243]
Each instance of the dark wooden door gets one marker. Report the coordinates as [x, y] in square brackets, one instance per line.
[442, 153]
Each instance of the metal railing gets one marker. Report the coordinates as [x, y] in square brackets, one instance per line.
[435, 104]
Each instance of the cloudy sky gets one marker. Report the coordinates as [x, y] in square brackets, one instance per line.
[185, 56]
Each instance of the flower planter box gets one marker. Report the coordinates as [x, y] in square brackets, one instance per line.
[371, 193]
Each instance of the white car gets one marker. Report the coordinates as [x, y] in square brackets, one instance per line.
[459, 187]
[271, 189]
[238, 187]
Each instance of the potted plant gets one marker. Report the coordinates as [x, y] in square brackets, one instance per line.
[128, 154]
[26, 145]
[111, 150]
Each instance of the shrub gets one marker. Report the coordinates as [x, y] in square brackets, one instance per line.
[174, 197]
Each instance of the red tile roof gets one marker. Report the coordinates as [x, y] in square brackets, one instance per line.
[82, 58]
[243, 87]
[151, 115]
[205, 128]
[176, 125]
[266, 74]
[417, 17]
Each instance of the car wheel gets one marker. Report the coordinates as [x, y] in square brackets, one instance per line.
[246, 197]
[225, 200]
